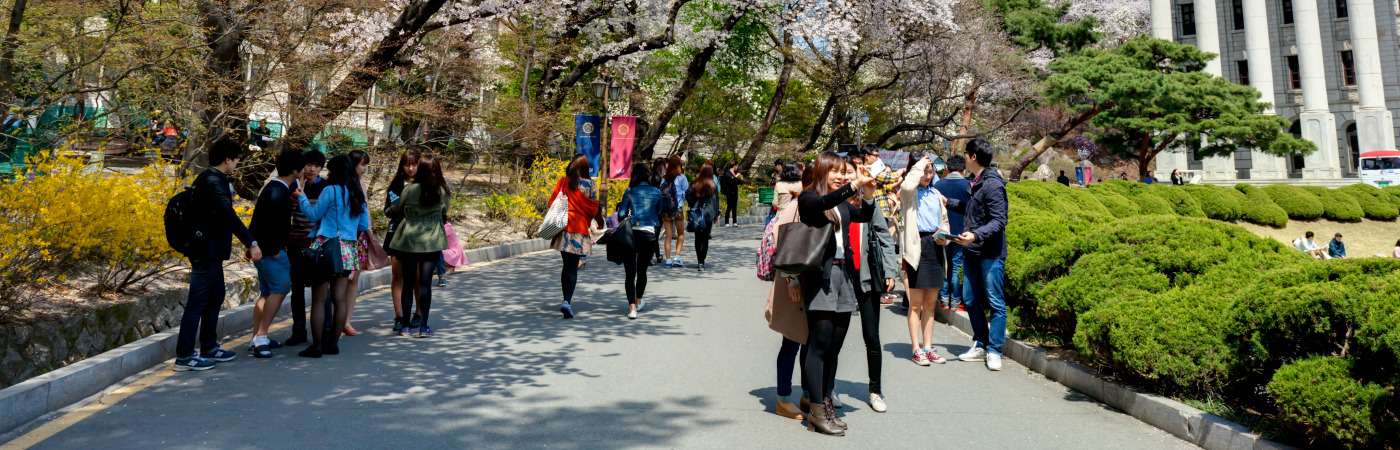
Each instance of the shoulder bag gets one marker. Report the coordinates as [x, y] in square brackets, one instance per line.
[555, 219]
[801, 247]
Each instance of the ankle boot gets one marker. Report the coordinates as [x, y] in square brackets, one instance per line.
[819, 420]
[804, 405]
[788, 410]
[835, 418]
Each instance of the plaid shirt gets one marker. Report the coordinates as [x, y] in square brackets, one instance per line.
[887, 195]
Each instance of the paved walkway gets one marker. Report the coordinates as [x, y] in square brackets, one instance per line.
[504, 371]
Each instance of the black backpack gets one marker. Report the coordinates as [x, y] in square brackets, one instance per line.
[670, 205]
[180, 230]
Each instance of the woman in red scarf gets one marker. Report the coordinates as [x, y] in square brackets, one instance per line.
[576, 241]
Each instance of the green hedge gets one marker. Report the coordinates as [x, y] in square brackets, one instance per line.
[1259, 209]
[1182, 203]
[1297, 202]
[1217, 202]
[1337, 205]
[1376, 204]
[1118, 204]
[1322, 400]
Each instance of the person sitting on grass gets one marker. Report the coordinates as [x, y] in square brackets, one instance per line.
[1336, 249]
[1306, 244]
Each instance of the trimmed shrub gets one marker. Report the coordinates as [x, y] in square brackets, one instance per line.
[1175, 341]
[1149, 203]
[1117, 204]
[1319, 398]
[1259, 209]
[1374, 203]
[1217, 202]
[1337, 205]
[1297, 202]
[1182, 203]
[1060, 199]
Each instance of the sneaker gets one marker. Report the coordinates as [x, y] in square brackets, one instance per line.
[641, 304]
[975, 354]
[425, 331]
[219, 355]
[273, 344]
[262, 352]
[700, 267]
[567, 309]
[877, 403]
[934, 357]
[632, 314]
[993, 362]
[192, 363]
[920, 358]
[442, 282]
[398, 327]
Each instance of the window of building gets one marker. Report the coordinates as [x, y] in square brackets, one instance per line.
[1242, 68]
[1237, 11]
[1188, 19]
[1341, 8]
[1287, 9]
[1295, 78]
[1348, 69]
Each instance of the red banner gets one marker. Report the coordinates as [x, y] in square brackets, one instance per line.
[624, 136]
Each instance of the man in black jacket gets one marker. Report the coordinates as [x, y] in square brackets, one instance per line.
[217, 224]
[272, 224]
[984, 245]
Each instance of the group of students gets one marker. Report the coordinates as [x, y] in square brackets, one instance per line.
[659, 206]
[310, 232]
[886, 226]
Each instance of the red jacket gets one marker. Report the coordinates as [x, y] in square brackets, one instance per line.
[582, 208]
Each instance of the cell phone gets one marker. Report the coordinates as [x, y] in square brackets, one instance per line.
[877, 168]
[945, 236]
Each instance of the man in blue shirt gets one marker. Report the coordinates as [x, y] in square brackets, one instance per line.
[955, 187]
[1336, 249]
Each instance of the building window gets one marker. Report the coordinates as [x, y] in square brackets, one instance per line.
[1188, 19]
[1295, 78]
[1287, 8]
[1242, 67]
[1348, 69]
[1341, 9]
[1237, 9]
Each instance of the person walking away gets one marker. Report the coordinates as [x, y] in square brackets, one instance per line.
[954, 186]
[360, 159]
[216, 224]
[1336, 249]
[407, 169]
[299, 240]
[673, 189]
[703, 199]
[984, 246]
[343, 214]
[830, 295]
[421, 238]
[925, 215]
[271, 227]
[877, 262]
[658, 176]
[729, 186]
[576, 239]
[640, 206]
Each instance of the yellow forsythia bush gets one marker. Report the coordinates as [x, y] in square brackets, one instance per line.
[60, 218]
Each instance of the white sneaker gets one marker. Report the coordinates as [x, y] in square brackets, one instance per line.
[877, 403]
[632, 314]
[993, 362]
[975, 354]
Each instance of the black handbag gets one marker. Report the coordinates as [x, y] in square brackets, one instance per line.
[801, 247]
[324, 260]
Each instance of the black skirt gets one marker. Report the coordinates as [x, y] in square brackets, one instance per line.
[929, 274]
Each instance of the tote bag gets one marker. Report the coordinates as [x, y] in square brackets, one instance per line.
[801, 247]
[555, 219]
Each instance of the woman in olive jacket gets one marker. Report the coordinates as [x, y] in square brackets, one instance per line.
[419, 239]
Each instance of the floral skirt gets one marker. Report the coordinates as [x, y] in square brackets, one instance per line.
[575, 243]
[349, 260]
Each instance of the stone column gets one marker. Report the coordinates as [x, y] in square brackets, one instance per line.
[1208, 40]
[1318, 123]
[1164, 28]
[1375, 128]
[1261, 77]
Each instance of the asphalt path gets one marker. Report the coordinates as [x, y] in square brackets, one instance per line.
[696, 370]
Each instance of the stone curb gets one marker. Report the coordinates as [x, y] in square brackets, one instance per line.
[35, 397]
[1206, 430]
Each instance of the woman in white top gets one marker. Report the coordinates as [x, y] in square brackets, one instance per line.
[924, 213]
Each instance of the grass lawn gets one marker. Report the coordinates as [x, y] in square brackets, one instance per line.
[1366, 238]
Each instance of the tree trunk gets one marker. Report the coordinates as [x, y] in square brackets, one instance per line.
[693, 72]
[774, 105]
[362, 77]
[969, 105]
[820, 124]
[224, 109]
[1047, 142]
[7, 54]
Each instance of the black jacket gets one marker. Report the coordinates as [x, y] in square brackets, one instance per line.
[984, 214]
[272, 217]
[213, 198]
[811, 210]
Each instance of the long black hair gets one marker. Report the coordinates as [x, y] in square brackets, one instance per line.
[641, 173]
[343, 174]
[400, 176]
[429, 176]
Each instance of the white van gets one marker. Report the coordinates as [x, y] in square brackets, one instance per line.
[1381, 168]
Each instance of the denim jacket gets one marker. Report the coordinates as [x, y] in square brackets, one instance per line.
[332, 209]
[643, 205]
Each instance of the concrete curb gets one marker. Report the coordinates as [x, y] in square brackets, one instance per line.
[1190, 424]
[38, 396]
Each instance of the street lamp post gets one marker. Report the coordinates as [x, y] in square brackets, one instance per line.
[603, 88]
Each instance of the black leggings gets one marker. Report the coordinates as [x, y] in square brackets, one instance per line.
[418, 269]
[731, 209]
[787, 361]
[702, 245]
[568, 278]
[826, 330]
[635, 267]
[870, 330]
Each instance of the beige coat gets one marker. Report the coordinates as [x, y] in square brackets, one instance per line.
[909, 214]
[783, 314]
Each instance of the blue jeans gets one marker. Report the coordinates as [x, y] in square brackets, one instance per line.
[985, 278]
[953, 287]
